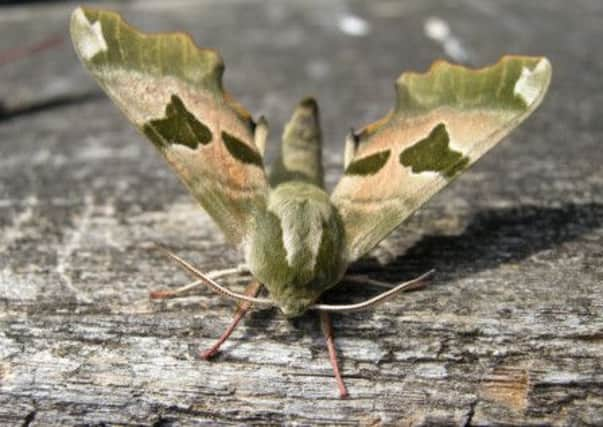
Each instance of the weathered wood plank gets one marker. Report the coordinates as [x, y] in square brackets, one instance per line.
[510, 332]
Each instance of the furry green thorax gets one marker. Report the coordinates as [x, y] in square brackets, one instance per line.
[297, 250]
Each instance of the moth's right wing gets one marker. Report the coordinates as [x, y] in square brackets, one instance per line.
[443, 121]
[172, 91]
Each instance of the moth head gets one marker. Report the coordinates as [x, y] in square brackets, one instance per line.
[294, 300]
[294, 307]
[298, 306]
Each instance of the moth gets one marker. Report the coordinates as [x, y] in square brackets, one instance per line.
[297, 239]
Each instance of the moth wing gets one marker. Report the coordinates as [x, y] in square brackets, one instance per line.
[172, 91]
[442, 122]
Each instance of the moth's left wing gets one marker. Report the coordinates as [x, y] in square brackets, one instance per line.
[172, 91]
[443, 121]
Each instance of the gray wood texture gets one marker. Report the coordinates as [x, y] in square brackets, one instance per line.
[509, 333]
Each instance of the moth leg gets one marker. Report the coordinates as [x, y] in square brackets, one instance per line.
[252, 290]
[171, 293]
[327, 330]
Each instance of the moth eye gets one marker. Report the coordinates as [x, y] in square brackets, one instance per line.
[368, 165]
[433, 154]
[241, 151]
[179, 126]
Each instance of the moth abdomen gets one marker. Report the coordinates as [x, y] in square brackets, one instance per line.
[300, 158]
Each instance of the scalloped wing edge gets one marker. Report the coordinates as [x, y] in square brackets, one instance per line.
[412, 88]
[199, 66]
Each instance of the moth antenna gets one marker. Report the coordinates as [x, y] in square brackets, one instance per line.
[417, 283]
[212, 284]
[351, 145]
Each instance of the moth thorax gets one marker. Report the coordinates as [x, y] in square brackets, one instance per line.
[297, 247]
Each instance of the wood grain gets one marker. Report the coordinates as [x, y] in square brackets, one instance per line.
[510, 332]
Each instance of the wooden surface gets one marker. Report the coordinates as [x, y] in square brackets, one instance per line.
[510, 332]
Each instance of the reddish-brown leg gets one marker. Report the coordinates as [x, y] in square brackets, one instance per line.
[252, 290]
[327, 330]
[171, 293]
[159, 294]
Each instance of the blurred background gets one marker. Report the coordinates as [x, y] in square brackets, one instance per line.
[346, 53]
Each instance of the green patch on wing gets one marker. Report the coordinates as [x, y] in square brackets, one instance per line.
[433, 154]
[128, 48]
[105, 42]
[368, 165]
[513, 84]
[448, 84]
[241, 151]
[178, 126]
